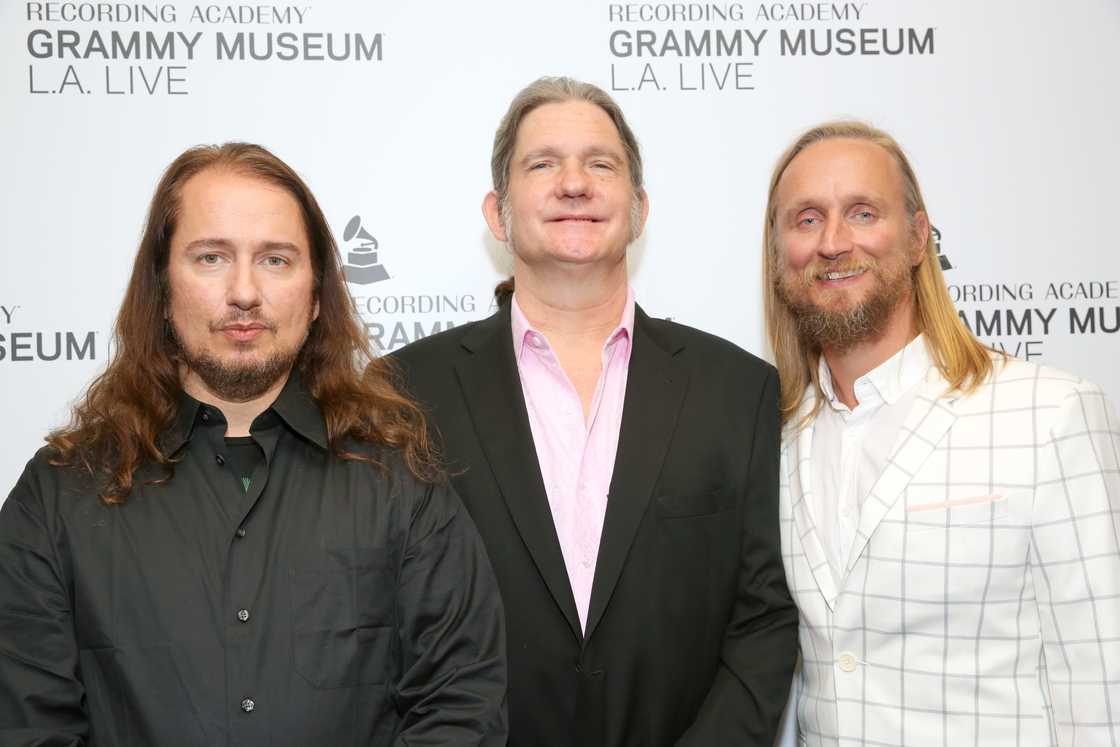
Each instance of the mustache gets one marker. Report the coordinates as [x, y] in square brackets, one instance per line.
[253, 317]
[818, 268]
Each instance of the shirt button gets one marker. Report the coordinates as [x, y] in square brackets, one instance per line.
[220, 460]
[205, 415]
[243, 615]
[847, 662]
[240, 532]
[248, 705]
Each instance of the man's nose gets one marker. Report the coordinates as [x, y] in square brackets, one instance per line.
[573, 181]
[836, 239]
[244, 288]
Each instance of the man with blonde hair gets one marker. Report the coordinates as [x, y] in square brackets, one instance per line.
[949, 516]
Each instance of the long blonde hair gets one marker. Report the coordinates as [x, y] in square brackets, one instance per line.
[963, 361]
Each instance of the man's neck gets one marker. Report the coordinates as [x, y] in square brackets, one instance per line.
[851, 363]
[239, 415]
[571, 307]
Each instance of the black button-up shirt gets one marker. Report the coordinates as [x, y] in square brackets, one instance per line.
[328, 604]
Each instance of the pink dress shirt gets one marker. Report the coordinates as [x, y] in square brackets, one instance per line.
[576, 457]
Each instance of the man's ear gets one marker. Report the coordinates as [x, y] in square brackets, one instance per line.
[492, 212]
[644, 197]
[920, 225]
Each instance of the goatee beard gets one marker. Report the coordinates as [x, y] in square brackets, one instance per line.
[840, 329]
[237, 381]
[240, 382]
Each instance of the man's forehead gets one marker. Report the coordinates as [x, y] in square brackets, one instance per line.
[566, 123]
[223, 206]
[860, 166]
[219, 181]
[218, 187]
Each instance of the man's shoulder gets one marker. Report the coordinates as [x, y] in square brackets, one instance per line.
[1015, 383]
[707, 351]
[53, 486]
[440, 345]
[44, 466]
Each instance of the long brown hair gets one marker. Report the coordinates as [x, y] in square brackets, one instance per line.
[116, 425]
[963, 361]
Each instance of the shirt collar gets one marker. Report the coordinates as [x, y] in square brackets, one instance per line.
[888, 381]
[525, 335]
[299, 410]
[294, 406]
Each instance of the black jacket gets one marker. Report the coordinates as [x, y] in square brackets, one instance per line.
[691, 633]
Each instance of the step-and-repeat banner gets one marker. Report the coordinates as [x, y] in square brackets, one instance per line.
[1008, 109]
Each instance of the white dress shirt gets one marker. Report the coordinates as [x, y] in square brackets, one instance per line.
[851, 447]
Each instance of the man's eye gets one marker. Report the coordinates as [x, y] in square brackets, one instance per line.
[809, 221]
[209, 259]
[538, 165]
[275, 261]
[863, 216]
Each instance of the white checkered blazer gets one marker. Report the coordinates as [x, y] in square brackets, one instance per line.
[981, 601]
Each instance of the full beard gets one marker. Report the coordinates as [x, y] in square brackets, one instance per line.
[828, 323]
[238, 380]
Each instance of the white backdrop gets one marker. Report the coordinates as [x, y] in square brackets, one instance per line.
[1008, 109]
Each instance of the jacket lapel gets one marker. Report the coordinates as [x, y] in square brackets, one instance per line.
[655, 387]
[798, 468]
[930, 416]
[492, 390]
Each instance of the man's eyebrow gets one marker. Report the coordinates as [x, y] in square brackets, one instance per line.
[593, 152]
[798, 206]
[864, 197]
[209, 243]
[604, 153]
[277, 246]
[546, 151]
[265, 246]
[859, 198]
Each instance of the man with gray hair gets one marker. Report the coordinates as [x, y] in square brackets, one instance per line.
[622, 470]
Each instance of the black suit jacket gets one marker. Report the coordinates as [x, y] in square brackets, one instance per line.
[691, 632]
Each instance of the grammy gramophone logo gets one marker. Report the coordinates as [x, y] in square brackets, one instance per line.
[943, 258]
[361, 267]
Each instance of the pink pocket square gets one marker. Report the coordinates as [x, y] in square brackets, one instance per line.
[971, 501]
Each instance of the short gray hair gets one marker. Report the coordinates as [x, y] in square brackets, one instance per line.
[556, 91]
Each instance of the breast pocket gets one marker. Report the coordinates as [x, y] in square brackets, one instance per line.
[684, 505]
[974, 510]
[343, 616]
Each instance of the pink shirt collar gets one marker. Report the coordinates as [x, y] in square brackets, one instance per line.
[524, 333]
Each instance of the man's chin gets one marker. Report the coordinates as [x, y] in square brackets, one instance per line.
[836, 300]
[241, 378]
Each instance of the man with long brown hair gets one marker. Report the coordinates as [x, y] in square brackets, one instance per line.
[949, 516]
[243, 535]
